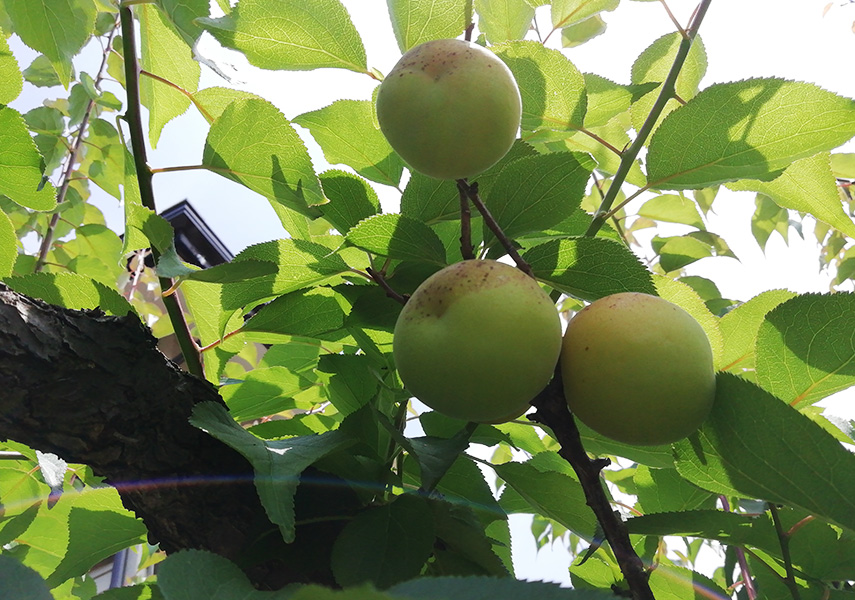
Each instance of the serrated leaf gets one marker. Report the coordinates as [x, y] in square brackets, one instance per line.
[183, 13]
[806, 348]
[397, 236]
[502, 20]
[607, 99]
[301, 264]
[347, 132]
[308, 313]
[20, 582]
[663, 490]
[166, 54]
[552, 88]
[552, 494]
[589, 268]
[678, 251]
[264, 392]
[653, 65]
[297, 36]
[583, 31]
[672, 208]
[807, 185]
[21, 177]
[753, 445]
[253, 144]
[465, 547]
[417, 21]
[768, 218]
[750, 129]
[740, 326]
[277, 464]
[57, 30]
[11, 82]
[351, 199]
[212, 101]
[8, 245]
[41, 72]
[385, 544]
[567, 12]
[534, 193]
[71, 290]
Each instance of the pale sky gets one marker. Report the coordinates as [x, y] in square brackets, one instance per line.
[743, 38]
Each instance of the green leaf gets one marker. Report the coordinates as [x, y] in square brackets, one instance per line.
[308, 313]
[264, 392]
[166, 54]
[21, 165]
[534, 193]
[552, 494]
[589, 268]
[43, 119]
[254, 144]
[8, 246]
[465, 547]
[141, 591]
[806, 348]
[20, 582]
[768, 218]
[417, 21]
[41, 72]
[71, 290]
[678, 251]
[583, 31]
[843, 165]
[663, 490]
[296, 36]
[726, 527]
[607, 99]
[348, 133]
[196, 574]
[653, 65]
[351, 199]
[739, 329]
[672, 208]
[430, 200]
[753, 445]
[807, 185]
[750, 129]
[490, 588]
[502, 20]
[213, 101]
[353, 383]
[397, 236]
[105, 156]
[385, 544]
[11, 82]
[301, 264]
[230, 272]
[668, 582]
[567, 12]
[688, 299]
[552, 88]
[58, 30]
[183, 13]
[277, 464]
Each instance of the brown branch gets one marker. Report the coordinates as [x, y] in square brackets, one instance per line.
[552, 411]
[466, 249]
[380, 279]
[94, 389]
[471, 191]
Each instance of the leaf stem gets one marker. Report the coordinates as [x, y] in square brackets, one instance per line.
[133, 117]
[784, 540]
[747, 579]
[665, 94]
[597, 138]
[552, 412]
[190, 96]
[471, 192]
[74, 149]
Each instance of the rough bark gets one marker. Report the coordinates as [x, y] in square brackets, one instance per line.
[94, 389]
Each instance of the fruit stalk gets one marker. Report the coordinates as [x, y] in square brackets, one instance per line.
[552, 411]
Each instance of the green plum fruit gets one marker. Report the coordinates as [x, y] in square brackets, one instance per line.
[477, 341]
[450, 108]
[638, 369]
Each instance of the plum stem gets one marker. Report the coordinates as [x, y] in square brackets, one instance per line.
[466, 249]
[471, 192]
[380, 279]
[552, 411]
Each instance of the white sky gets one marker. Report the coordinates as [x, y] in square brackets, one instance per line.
[743, 38]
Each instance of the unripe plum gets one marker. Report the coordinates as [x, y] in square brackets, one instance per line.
[477, 341]
[638, 369]
[450, 108]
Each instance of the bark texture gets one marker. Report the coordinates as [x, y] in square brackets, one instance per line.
[94, 389]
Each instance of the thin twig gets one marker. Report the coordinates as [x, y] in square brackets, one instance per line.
[380, 279]
[665, 94]
[471, 191]
[552, 411]
[673, 19]
[133, 117]
[466, 249]
[784, 540]
[47, 238]
[747, 579]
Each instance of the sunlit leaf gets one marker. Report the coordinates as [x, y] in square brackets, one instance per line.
[21, 165]
[417, 21]
[503, 20]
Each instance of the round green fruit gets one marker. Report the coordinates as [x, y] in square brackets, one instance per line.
[450, 108]
[638, 369]
[477, 341]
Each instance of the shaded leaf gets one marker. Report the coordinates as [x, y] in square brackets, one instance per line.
[750, 129]
[351, 199]
[20, 582]
[663, 490]
[672, 208]
[183, 13]
[397, 236]
[489, 588]
[264, 392]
